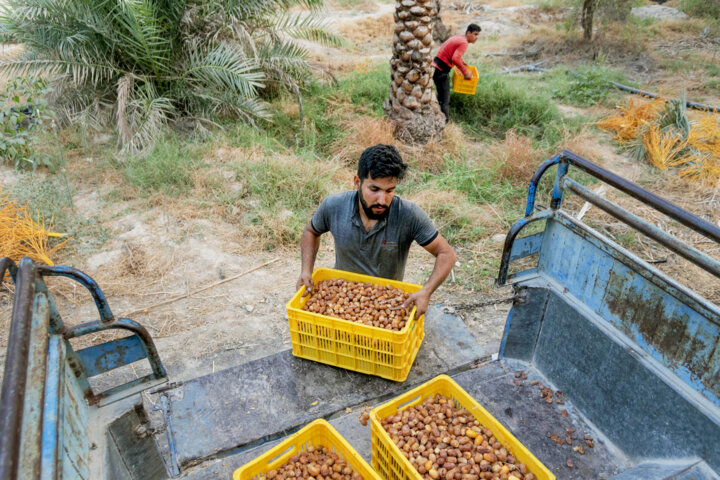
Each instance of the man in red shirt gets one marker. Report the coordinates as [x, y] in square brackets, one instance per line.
[450, 55]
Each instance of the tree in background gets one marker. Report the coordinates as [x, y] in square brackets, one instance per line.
[142, 65]
[412, 106]
[603, 10]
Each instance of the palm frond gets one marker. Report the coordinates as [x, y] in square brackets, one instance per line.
[308, 26]
[224, 66]
[79, 70]
[149, 117]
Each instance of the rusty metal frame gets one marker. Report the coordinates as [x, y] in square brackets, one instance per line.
[562, 183]
[107, 322]
[35, 359]
[12, 397]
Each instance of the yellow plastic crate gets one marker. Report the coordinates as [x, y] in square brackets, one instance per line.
[316, 434]
[460, 85]
[350, 345]
[391, 464]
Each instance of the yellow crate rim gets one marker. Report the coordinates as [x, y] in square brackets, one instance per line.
[446, 386]
[321, 433]
[297, 301]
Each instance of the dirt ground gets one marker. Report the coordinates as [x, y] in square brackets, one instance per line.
[162, 252]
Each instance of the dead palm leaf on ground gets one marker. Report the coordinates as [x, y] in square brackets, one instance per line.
[22, 236]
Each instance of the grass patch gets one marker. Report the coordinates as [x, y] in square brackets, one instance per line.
[167, 168]
[501, 104]
[585, 86]
[368, 90]
[702, 8]
[279, 194]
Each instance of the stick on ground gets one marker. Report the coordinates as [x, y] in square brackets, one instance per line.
[145, 309]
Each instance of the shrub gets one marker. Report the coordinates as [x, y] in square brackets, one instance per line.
[24, 118]
[144, 64]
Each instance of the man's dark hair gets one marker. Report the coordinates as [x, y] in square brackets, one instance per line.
[473, 27]
[381, 161]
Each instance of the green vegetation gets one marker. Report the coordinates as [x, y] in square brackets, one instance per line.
[585, 86]
[502, 103]
[144, 65]
[166, 168]
[702, 8]
[24, 124]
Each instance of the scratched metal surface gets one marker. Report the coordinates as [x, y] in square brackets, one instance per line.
[679, 330]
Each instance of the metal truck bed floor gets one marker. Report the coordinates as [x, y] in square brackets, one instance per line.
[521, 409]
[269, 397]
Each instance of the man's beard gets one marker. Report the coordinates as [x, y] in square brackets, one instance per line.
[368, 209]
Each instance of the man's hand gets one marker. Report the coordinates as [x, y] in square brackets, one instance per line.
[420, 299]
[305, 279]
[468, 76]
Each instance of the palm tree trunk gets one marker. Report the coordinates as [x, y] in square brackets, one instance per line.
[588, 11]
[412, 106]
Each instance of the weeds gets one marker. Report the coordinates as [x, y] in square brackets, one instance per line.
[702, 8]
[501, 104]
[166, 168]
[586, 86]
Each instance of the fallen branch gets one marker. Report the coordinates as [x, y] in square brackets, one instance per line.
[145, 309]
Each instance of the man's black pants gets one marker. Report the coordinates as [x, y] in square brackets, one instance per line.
[442, 85]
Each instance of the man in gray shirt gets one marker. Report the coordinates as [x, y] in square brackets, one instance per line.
[373, 229]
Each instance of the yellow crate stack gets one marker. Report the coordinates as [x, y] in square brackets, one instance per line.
[354, 346]
[391, 464]
[318, 433]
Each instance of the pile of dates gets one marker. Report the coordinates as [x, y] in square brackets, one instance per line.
[315, 463]
[443, 441]
[366, 303]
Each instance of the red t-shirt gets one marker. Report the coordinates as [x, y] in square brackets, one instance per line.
[451, 52]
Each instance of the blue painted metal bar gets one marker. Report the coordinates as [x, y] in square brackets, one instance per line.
[148, 346]
[49, 453]
[510, 240]
[557, 194]
[526, 246]
[668, 208]
[56, 325]
[106, 314]
[111, 355]
[532, 188]
[31, 438]
[692, 254]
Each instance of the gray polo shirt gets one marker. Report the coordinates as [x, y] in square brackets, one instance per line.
[381, 252]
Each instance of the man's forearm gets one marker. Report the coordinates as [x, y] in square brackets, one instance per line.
[309, 246]
[444, 263]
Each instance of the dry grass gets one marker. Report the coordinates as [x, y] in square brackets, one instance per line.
[364, 131]
[372, 29]
[517, 157]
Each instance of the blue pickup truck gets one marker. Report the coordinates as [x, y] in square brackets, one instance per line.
[631, 357]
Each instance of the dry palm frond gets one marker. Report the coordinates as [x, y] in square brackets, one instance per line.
[631, 119]
[22, 236]
[661, 148]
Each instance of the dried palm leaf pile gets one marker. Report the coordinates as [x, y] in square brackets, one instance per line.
[22, 236]
[661, 132]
